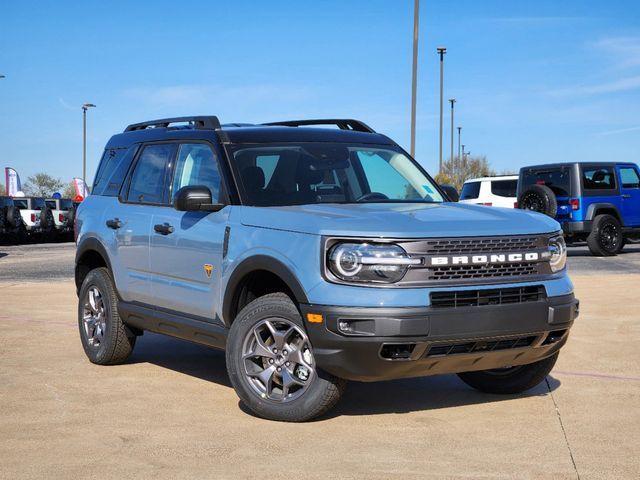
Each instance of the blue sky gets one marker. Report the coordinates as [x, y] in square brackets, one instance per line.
[535, 81]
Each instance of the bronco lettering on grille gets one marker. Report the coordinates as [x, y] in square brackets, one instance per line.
[495, 258]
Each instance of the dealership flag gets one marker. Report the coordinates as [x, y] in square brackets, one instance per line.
[12, 182]
[81, 188]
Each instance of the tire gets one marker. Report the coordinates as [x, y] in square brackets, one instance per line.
[539, 198]
[303, 400]
[13, 217]
[108, 342]
[510, 380]
[606, 237]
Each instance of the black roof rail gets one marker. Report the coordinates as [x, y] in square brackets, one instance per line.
[201, 123]
[341, 123]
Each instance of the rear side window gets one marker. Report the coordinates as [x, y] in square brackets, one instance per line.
[559, 181]
[52, 204]
[598, 178]
[470, 191]
[148, 178]
[23, 204]
[112, 171]
[629, 177]
[504, 188]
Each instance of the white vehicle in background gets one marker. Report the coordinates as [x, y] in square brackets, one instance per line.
[30, 211]
[491, 191]
[62, 213]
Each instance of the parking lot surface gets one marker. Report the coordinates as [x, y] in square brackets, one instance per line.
[170, 412]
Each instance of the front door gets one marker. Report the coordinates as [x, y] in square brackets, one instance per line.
[186, 247]
[630, 191]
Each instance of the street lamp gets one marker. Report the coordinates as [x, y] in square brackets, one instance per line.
[452, 101]
[441, 52]
[85, 107]
[2, 76]
[459, 138]
[414, 75]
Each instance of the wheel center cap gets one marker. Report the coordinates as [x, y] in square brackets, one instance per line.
[279, 360]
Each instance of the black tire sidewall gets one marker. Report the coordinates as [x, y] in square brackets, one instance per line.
[309, 404]
[593, 240]
[545, 196]
[101, 279]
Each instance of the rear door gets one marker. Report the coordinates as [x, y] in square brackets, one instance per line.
[142, 193]
[186, 261]
[630, 192]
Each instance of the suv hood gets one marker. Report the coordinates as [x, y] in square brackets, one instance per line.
[399, 220]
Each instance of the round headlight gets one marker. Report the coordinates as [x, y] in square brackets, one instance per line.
[558, 250]
[365, 262]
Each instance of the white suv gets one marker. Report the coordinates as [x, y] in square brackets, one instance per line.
[491, 191]
[62, 213]
[30, 209]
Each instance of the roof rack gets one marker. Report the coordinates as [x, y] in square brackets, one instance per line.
[201, 123]
[341, 123]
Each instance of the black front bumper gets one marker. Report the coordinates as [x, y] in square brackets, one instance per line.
[411, 342]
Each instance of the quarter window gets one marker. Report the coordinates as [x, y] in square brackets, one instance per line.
[504, 188]
[196, 165]
[470, 191]
[629, 177]
[598, 178]
[147, 181]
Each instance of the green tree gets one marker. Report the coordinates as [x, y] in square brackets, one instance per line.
[69, 191]
[456, 171]
[42, 185]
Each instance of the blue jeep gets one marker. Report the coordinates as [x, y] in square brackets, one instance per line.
[594, 202]
[312, 256]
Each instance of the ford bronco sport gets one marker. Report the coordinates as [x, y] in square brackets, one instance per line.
[313, 256]
[594, 202]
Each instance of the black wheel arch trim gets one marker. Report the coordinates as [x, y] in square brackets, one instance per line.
[255, 263]
[594, 208]
[87, 245]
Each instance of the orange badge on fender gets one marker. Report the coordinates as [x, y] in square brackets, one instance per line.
[208, 268]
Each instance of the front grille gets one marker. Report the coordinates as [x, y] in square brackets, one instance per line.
[449, 246]
[470, 273]
[480, 346]
[464, 272]
[494, 296]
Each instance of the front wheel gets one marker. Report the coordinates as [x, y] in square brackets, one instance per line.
[510, 380]
[271, 364]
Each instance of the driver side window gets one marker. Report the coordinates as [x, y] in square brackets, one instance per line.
[196, 164]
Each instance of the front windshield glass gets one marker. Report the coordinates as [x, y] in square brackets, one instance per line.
[309, 173]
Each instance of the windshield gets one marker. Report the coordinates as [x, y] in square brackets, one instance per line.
[310, 173]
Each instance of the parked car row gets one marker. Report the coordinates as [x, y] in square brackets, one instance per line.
[596, 203]
[36, 218]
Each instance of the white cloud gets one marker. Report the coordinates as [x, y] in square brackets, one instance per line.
[624, 50]
[620, 85]
[621, 130]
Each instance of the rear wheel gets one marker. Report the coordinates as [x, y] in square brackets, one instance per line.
[105, 339]
[606, 237]
[508, 380]
[271, 365]
[539, 198]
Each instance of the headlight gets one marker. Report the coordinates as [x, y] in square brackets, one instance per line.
[366, 262]
[558, 250]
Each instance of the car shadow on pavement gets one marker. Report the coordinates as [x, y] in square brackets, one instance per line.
[396, 396]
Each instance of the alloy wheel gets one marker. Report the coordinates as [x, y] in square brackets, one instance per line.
[609, 237]
[277, 360]
[94, 317]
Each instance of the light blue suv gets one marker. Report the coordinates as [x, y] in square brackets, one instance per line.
[312, 256]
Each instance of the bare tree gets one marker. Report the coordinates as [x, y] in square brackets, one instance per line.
[42, 185]
[69, 191]
[456, 171]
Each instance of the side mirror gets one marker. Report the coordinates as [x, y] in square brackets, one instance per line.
[195, 198]
[451, 192]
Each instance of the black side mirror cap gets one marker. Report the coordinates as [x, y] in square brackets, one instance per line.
[451, 192]
[195, 198]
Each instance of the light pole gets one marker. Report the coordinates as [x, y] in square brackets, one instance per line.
[414, 75]
[459, 138]
[2, 76]
[452, 101]
[85, 107]
[441, 52]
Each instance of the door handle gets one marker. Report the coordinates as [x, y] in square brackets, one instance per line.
[114, 223]
[626, 195]
[163, 229]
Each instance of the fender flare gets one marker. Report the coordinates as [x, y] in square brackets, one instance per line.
[594, 207]
[260, 262]
[87, 245]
